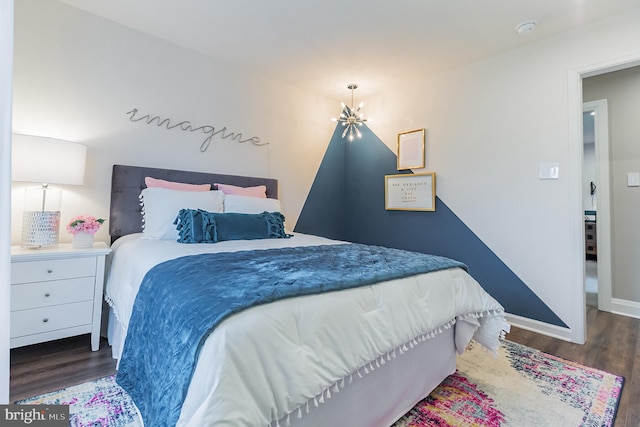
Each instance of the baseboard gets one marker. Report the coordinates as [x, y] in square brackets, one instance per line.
[625, 307]
[539, 327]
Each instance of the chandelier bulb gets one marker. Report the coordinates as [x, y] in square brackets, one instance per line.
[351, 118]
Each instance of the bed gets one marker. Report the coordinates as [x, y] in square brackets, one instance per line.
[361, 356]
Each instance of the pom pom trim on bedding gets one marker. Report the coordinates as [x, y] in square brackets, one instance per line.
[161, 403]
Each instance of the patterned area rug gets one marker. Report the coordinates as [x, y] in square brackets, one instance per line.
[521, 387]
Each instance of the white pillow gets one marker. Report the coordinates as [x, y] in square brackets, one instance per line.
[250, 205]
[161, 207]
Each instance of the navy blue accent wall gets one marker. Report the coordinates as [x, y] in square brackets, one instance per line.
[346, 202]
[322, 213]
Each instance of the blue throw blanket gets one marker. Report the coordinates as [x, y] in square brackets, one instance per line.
[181, 301]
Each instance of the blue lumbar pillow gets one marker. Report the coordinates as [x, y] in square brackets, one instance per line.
[198, 226]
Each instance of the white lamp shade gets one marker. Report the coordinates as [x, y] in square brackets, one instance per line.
[47, 160]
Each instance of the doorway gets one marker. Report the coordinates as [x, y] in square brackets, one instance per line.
[596, 204]
[589, 204]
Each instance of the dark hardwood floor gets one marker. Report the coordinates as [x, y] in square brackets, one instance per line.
[41, 368]
[613, 345]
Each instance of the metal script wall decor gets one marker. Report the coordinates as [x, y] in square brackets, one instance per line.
[186, 126]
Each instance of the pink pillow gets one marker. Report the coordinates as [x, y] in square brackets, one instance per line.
[259, 191]
[169, 185]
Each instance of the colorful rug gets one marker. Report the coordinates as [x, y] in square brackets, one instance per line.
[98, 403]
[520, 387]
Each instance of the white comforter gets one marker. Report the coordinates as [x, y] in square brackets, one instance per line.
[271, 361]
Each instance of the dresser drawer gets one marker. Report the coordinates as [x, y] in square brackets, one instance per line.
[46, 319]
[56, 269]
[42, 294]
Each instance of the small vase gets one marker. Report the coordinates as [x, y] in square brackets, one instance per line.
[82, 240]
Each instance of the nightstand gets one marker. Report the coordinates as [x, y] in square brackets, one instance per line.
[56, 293]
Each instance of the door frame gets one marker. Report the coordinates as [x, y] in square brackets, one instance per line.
[575, 77]
[6, 91]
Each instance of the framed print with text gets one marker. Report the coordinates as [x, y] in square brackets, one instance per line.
[410, 192]
[411, 149]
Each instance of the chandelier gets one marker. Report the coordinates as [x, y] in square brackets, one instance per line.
[349, 118]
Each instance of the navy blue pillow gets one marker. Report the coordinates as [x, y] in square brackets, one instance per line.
[198, 226]
[238, 226]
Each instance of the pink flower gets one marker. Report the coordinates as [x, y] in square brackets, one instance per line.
[84, 223]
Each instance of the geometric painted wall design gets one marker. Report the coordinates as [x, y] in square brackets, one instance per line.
[346, 202]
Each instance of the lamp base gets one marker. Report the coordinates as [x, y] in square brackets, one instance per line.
[40, 228]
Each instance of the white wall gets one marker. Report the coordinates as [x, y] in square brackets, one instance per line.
[6, 72]
[622, 91]
[489, 127]
[77, 75]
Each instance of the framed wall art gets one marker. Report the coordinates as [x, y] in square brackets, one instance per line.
[410, 192]
[411, 149]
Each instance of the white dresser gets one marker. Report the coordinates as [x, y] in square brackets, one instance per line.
[56, 293]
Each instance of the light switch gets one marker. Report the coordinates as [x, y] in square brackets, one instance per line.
[549, 170]
[633, 179]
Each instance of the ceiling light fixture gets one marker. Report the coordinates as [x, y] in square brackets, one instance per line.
[526, 27]
[350, 117]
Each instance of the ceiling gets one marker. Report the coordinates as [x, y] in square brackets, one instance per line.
[323, 45]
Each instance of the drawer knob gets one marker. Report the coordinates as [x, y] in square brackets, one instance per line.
[49, 271]
[45, 320]
[47, 295]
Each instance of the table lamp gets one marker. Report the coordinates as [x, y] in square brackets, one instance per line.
[47, 161]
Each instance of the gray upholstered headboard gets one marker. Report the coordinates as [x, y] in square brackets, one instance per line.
[125, 214]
